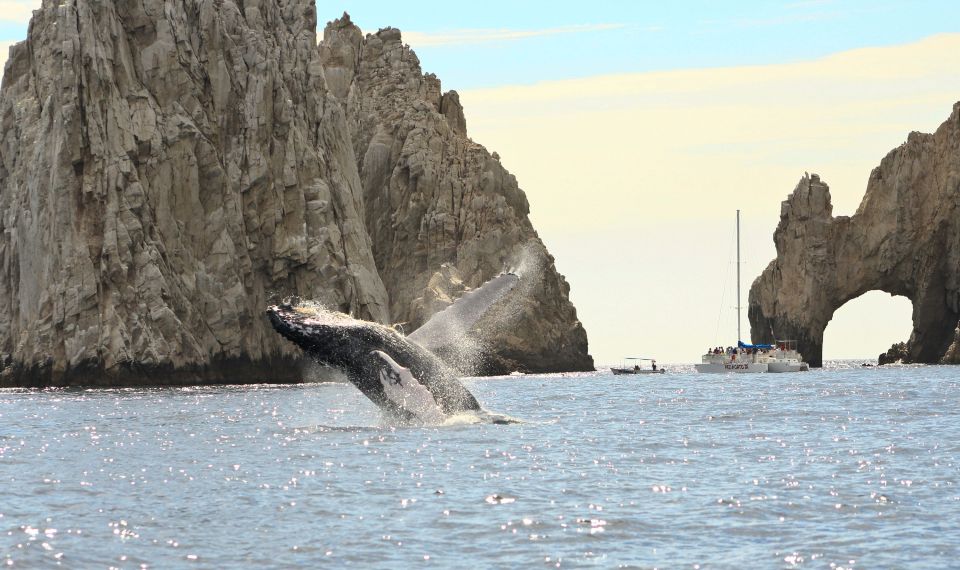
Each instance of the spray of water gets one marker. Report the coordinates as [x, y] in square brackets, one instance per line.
[528, 262]
[316, 373]
[466, 344]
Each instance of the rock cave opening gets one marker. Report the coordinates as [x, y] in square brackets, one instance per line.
[867, 326]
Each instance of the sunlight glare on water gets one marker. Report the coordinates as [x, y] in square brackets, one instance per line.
[838, 468]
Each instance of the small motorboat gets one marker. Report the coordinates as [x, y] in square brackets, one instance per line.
[637, 368]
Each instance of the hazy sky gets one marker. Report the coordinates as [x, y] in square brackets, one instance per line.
[638, 128]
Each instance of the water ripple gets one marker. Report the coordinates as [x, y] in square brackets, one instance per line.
[845, 467]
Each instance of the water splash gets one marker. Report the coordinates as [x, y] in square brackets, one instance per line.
[314, 372]
[528, 262]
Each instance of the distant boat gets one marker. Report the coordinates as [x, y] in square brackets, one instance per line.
[752, 358]
[637, 368]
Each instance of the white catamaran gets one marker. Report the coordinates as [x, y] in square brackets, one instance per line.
[752, 358]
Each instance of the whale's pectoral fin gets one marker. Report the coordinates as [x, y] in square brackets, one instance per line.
[407, 395]
[460, 317]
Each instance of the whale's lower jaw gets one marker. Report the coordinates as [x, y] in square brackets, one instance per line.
[400, 377]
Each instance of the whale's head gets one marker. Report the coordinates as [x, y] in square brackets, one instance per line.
[330, 337]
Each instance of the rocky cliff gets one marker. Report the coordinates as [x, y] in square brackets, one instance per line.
[167, 168]
[903, 239]
[433, 196]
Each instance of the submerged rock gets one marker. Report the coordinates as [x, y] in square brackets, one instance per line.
[904, 239]
[166, 169]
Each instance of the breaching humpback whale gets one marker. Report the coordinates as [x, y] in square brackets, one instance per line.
[400, 374]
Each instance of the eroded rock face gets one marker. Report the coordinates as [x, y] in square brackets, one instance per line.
[904, 239]
[442, 289]
[165, 170]
[432, 196]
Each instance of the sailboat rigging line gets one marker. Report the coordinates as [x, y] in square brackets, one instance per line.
[739, 336]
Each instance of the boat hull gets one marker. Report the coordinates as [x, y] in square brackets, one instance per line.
[731, 367]
[781, 367]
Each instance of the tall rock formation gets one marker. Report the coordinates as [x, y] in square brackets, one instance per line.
[433, 196]
[904, 239]
[165, 170]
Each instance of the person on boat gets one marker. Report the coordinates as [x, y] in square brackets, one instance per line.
[654, 365]
[636, 367]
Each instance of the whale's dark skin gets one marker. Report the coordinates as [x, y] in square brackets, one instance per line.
[339, 341]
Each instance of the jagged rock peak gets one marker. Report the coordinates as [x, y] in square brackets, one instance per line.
[810, 198]
[389, 35]
[904, 239]
[343, 21]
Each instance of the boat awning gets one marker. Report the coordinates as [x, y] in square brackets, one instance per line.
[741, 344]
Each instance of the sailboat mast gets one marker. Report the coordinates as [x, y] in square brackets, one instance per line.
[739, 338]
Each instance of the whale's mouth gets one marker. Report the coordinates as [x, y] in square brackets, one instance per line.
[309, 313]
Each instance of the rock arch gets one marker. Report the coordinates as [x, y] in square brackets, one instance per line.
[904, 239]
[865, 326]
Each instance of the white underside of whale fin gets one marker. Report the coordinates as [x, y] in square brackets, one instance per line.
[453, 322]
[406, 392]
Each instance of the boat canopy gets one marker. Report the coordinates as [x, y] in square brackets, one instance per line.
[741, 344]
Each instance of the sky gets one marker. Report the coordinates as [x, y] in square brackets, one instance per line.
[637, 129]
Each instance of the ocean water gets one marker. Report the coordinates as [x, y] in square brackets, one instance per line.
[835, 468]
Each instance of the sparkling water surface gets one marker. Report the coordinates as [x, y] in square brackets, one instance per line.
[843, 467]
